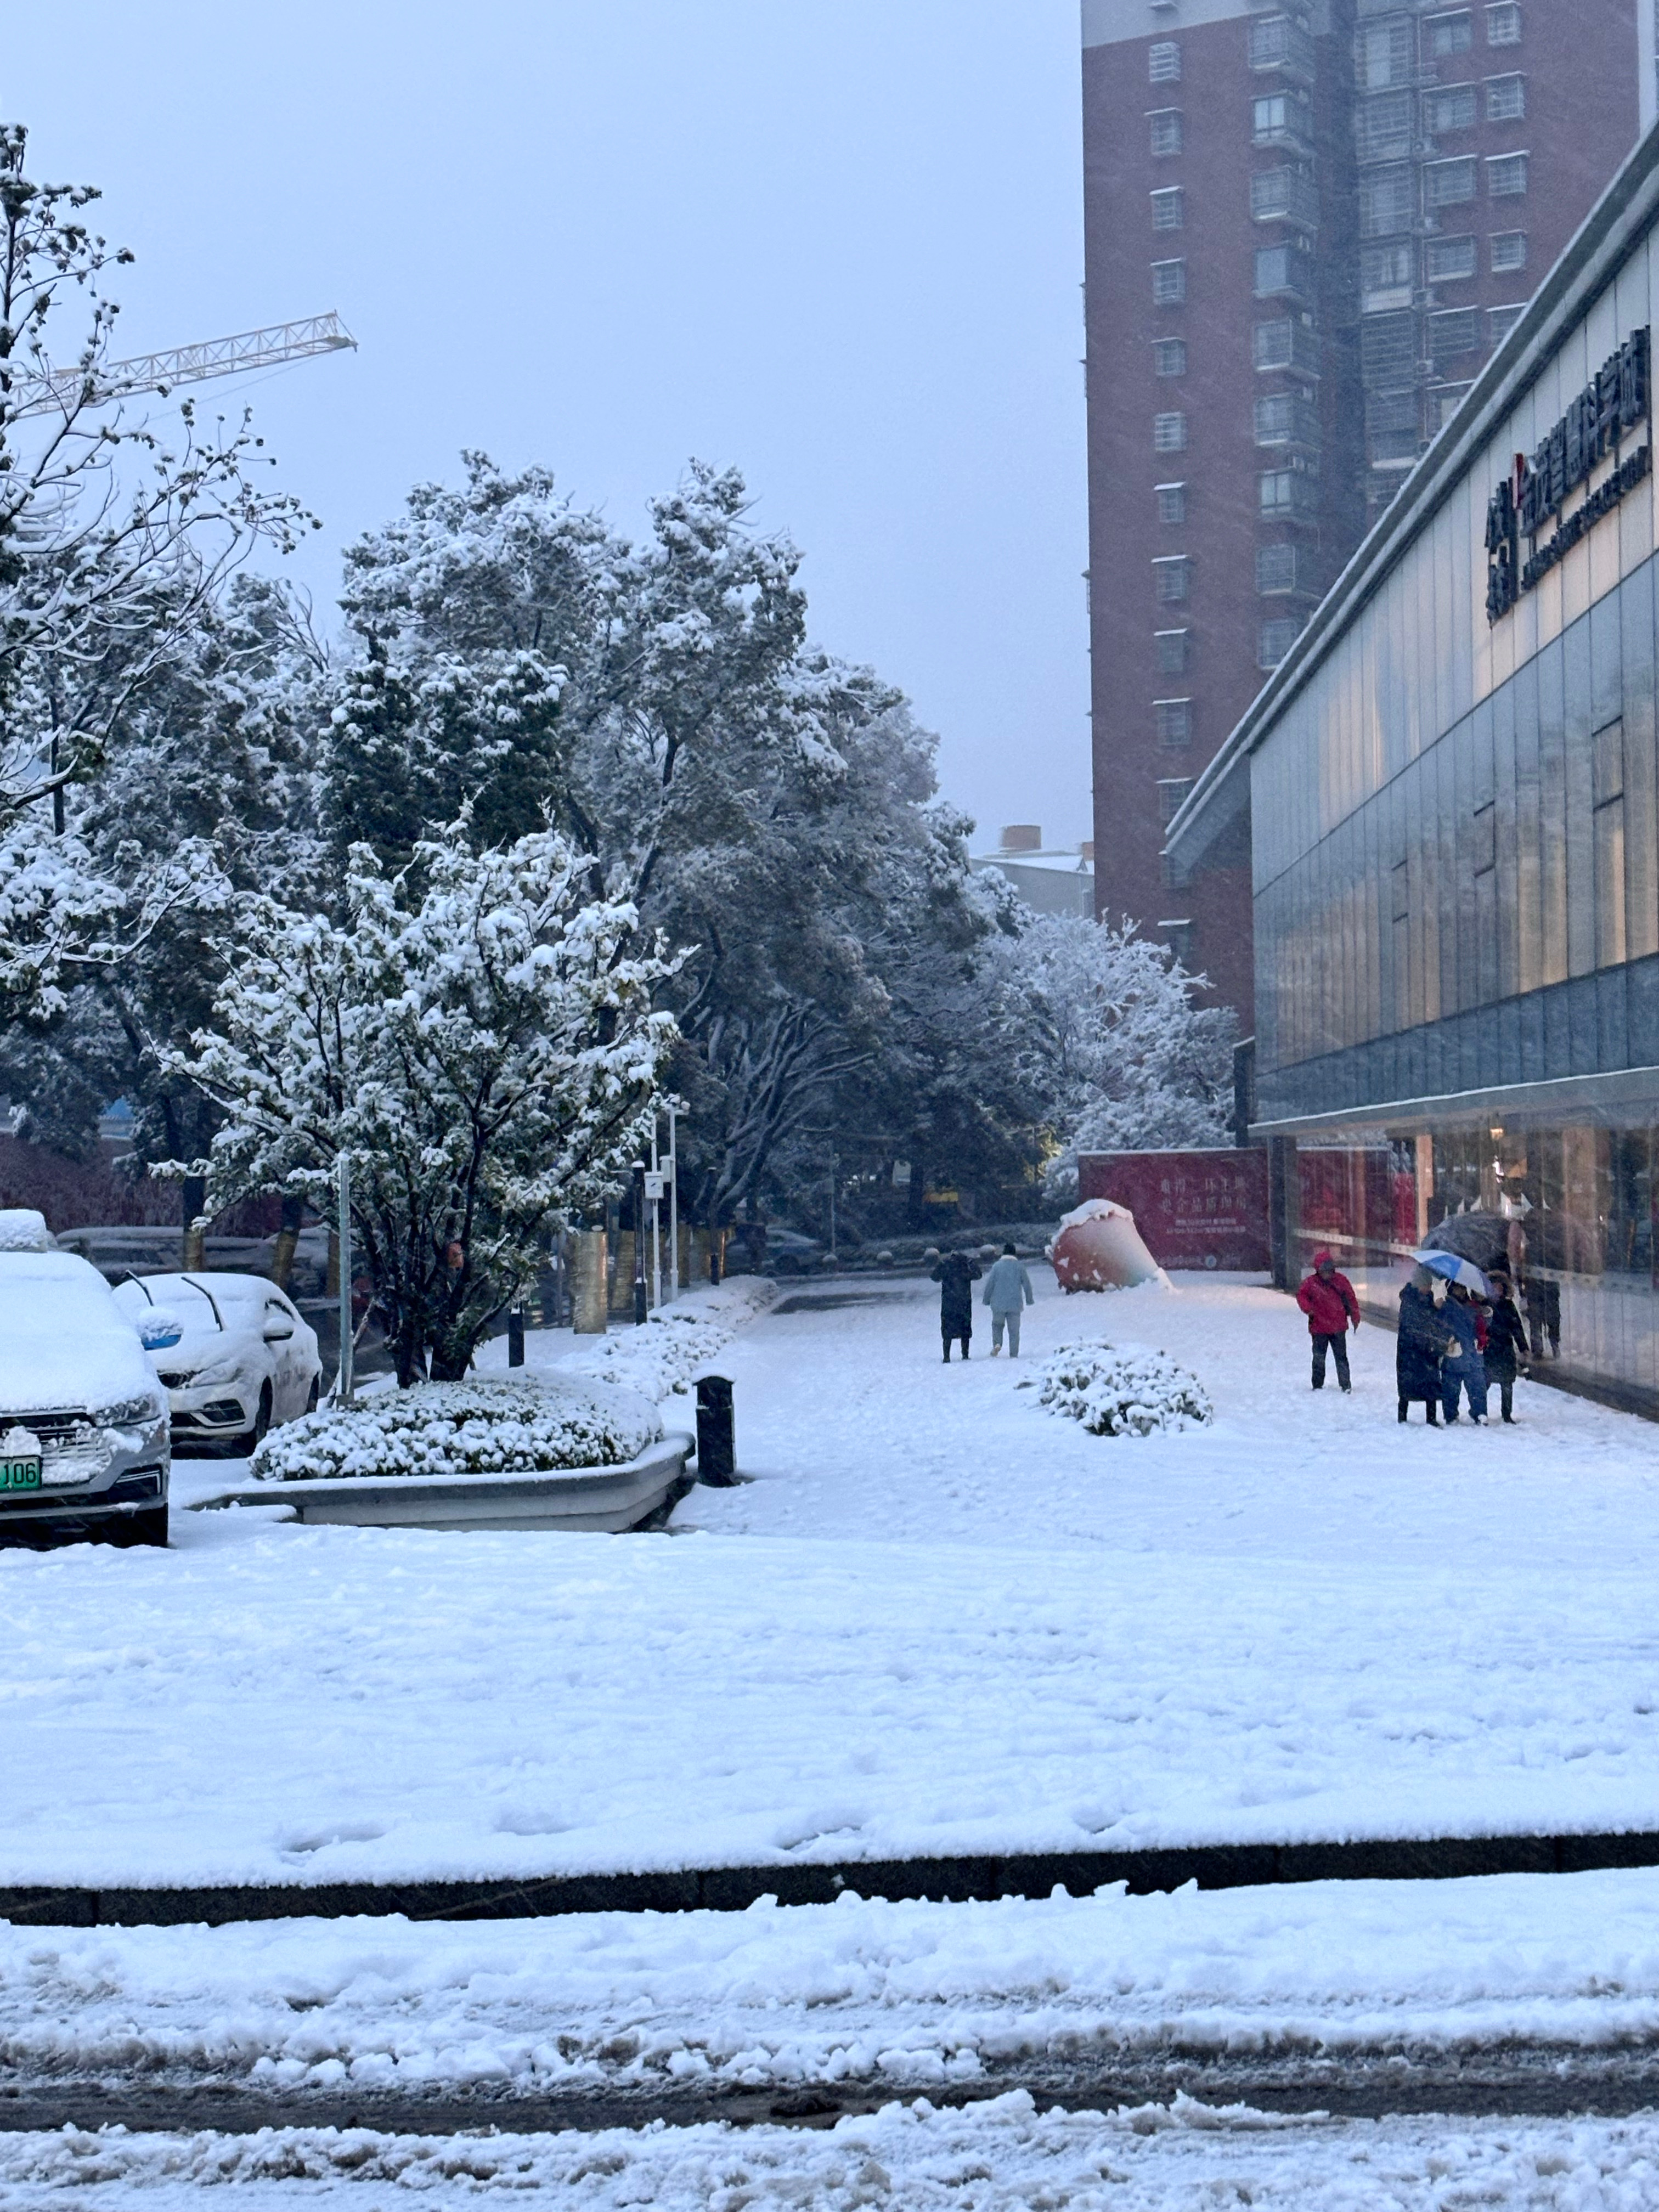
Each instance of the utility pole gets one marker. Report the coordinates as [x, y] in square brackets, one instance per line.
[673, 1200]
[642, 1309]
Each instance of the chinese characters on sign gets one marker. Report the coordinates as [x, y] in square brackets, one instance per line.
[1203, 1209]
[1535, 491]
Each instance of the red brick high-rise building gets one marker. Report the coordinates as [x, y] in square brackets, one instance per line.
[1306, 228]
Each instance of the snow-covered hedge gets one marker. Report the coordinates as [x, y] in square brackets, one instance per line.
[1116, 1394]
[516, 1426]
[659, 1359]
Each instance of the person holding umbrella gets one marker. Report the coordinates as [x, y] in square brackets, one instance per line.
[1418, 1348]
[1462, 1370]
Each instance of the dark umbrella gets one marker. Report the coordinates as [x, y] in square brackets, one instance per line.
[1482, 1237]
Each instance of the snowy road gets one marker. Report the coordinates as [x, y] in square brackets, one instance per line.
[939, 1621]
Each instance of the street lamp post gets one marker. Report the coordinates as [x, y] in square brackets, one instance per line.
[673, 1203]
[344, 1378]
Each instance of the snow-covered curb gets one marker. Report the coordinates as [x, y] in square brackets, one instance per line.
[661, 1360]
[905, 1994]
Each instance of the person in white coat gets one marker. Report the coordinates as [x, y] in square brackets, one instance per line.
[1007, 1292]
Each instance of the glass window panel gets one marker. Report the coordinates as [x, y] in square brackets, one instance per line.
[1640, 829]
[1553, 815]
[1581, 857]
[1448, 259]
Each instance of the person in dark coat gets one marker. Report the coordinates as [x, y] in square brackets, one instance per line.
[955, 1273]
[1462, 1370]
[1417, 1353]
[1328, 1301]
[1506, 1340]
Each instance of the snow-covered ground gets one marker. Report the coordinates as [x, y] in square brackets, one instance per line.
[905, 1996]
[999, 2156]
[954, 1623]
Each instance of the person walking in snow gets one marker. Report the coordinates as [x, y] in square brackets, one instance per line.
[1506, 1340]
[955, 1273]
[1418, 1348]
[1328, 1301]
[1462, 1370]
[1007, 1292]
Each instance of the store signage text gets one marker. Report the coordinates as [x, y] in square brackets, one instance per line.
[1608, 409]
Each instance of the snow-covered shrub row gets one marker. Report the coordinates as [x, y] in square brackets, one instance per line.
[516, 1426]
[1116, 1394]
[659, 1360]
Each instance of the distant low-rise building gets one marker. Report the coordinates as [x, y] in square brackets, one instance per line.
[1051, 879]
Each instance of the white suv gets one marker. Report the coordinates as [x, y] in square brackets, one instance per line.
[83, 1425]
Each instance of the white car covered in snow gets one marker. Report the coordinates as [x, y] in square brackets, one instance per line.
[83, 1426]
[233, 1354]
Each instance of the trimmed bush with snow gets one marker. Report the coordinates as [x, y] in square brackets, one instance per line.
[516, 1426]
[1117, 1394]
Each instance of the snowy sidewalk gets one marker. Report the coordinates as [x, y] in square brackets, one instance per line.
[984, 1632]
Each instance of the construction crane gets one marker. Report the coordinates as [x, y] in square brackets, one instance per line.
[278, 342]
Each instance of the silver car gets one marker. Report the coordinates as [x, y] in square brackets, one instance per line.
[83, 1426]
[232, 1352]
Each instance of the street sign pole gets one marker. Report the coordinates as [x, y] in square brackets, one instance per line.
[656, 1219]
[673, 1202]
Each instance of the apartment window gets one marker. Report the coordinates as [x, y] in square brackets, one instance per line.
[1274, 640]
[1169, 283]
[1508, 250]
[1449, 184]
[1388, 350]
[1169, 357]
[1283, 343]
[1163, 62]
[1287, 417]
[1383, 54]
[1282, 568]
[1450, 110]
[1504, 24]
[1165, 124]
[1284, 492]
[1281, 269]
[1382, 128]
[1285, 195]
[1172, 795]
[1274, 41]
[1506, 98]
[1280, 119]
[1445, 403]
[1388, 202]
[1607, 768]
[1169, 577]
[1173, 718]
[1457, 332]
[1448, 34]
[1172, 646]
[1506, 175]
[1500, 321]
[1171, 503]
[1385, 276]
[1446, 260]
[1169, 434]
[1169, 210]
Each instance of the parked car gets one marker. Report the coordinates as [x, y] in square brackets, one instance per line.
[83, 1425]
[789, 1253]
[232, 1352]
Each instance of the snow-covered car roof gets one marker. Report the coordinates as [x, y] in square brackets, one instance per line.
[64, 1340]
[200, 1302]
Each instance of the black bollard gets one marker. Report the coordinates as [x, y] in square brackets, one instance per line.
[717, 1449]
[516, 1337]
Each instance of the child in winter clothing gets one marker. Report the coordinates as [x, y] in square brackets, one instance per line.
[1462, 1370]
[1506, 1340]
[1328, 1301]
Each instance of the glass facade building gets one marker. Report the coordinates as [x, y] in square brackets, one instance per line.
[1452, 789]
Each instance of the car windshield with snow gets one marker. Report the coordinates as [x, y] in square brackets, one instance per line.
[83, 1427]
[231, 1351]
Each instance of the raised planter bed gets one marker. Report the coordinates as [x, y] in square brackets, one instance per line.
[606, 1499]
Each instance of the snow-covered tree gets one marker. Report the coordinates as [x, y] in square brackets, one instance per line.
[767, 806]
[113, 544]
[476, 1036]
[1105, 1037]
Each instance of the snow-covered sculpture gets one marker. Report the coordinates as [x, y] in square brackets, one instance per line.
[1098, 1248]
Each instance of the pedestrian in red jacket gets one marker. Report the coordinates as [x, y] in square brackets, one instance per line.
[1328, 1301]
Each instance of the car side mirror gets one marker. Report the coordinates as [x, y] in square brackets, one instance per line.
[279, 1335]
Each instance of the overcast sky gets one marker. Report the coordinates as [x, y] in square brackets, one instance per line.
[835, 242]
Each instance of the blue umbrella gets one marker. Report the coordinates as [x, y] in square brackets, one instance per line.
[1456, 1269]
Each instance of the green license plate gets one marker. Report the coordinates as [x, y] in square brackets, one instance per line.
[20, 1474]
